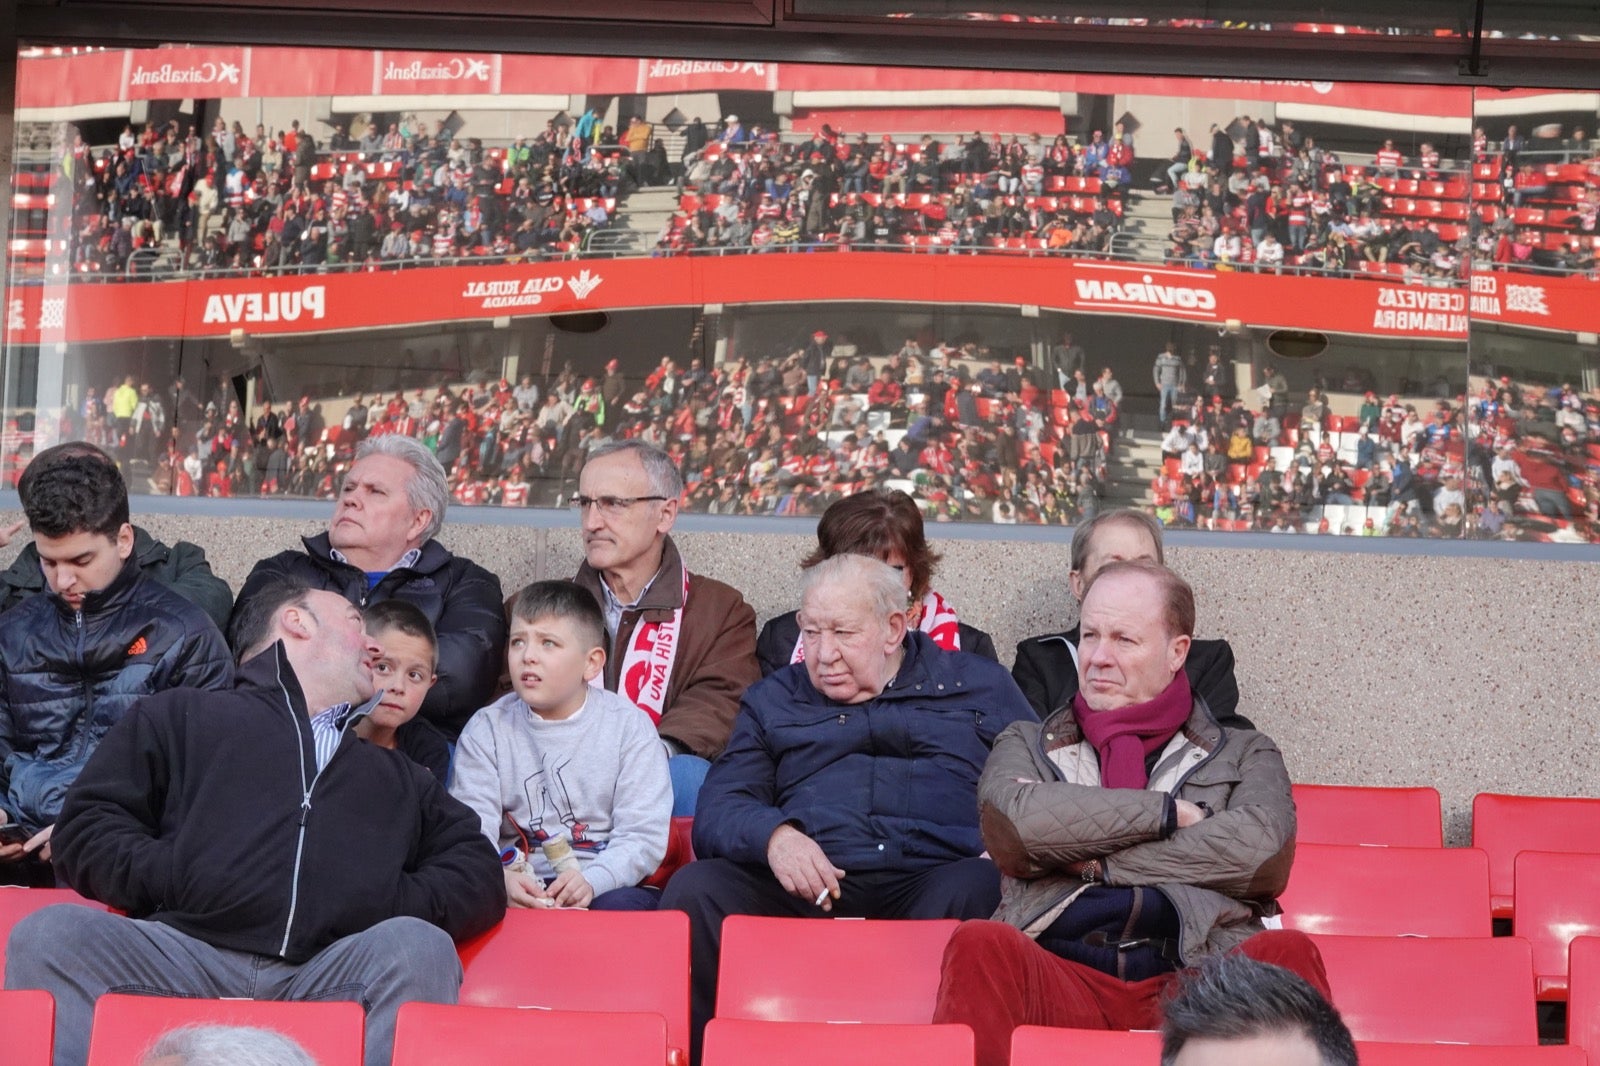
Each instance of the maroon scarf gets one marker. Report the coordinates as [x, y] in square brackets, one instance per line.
[1126, 736]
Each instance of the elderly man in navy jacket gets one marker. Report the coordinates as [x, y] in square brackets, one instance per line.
[849, 786]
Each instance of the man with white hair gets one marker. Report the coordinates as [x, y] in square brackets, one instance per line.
[257, 848]
[848, 787]
[380, 545]
[225, 1045]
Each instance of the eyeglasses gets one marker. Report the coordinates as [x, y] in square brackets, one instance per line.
[610, 506]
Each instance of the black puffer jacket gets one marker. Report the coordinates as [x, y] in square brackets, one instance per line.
[66, 677]
[460, 598]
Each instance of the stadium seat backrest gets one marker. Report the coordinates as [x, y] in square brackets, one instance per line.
[17, 903]
[1424, 990]
[680, 851]
[843, 970]
[1583, 994]
[429, 1034]
[741, 1042]
[1343, 814]
[27, 1020]
[126, 1026]
[1380, 1054]
[607, 960]
[1349, 890]
[1038, 1045]
[1557, 898]
[1504, 825]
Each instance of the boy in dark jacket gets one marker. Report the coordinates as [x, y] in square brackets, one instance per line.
[74, 659]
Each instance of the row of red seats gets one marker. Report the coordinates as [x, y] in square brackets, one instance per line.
[1422, 990]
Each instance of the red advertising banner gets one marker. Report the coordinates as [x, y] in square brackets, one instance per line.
[84, 313]
[177, 72]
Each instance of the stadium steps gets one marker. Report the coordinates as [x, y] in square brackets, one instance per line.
[639, 220]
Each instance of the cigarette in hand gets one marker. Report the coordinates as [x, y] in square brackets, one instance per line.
[821, 898]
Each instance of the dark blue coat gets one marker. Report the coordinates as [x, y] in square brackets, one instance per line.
[66, 677]
[889, 784]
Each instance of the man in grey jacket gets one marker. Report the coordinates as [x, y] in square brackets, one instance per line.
[1136, 836]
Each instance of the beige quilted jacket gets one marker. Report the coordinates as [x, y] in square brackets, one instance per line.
[1044, 816]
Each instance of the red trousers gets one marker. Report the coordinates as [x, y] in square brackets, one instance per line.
[994, 979]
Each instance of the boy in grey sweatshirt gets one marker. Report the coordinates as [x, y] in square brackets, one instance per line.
[569, 780]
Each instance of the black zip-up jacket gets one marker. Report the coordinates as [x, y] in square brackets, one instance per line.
[460, 598]
[205, 811]
[67, 676]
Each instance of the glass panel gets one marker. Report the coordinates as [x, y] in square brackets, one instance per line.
[1536, 186]
[1000, 291]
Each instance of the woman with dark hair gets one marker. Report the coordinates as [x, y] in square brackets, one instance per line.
[885, 524]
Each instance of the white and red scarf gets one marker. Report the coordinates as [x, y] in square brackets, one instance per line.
[938, 620]
[647, 663]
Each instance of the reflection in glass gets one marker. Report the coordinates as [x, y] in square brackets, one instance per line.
[1021, 297]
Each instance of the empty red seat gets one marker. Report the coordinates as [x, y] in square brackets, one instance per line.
[1379, 1054]
[427, 1034]
[1557, 898]
[1348, 890]
[1345, 814]
[1583, 994]
[838, 970]
[1424, 990]
[1505, 825]
[125, 1026]
[27, 1018]
[512, 964]
[1038, 1045]
[741, 1042]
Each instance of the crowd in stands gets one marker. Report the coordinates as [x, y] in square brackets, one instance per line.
[1508, 462]
[1283, 203]
[1258, 196]
[972, 436]
[229, 199]
[749, 189]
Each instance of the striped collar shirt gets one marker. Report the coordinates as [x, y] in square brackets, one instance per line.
[326, 728]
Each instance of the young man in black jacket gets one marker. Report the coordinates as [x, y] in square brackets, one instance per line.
[75, 658]
[259, 848]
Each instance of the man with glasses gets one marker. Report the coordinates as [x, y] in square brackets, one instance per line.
[681, 646]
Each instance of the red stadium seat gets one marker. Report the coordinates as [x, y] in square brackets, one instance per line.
[1348, 890]
[1504, 825]
[740, 1042]
[17, 903]
[427, 1034]
[1345, 814]
[680, 852]
[1379, 1054]
[1424, 990]
[1557, 898]
[27, 1018]
[1038, 1045]
[125, 1026]
[591, 948]
[1583, 994]
[843, 970]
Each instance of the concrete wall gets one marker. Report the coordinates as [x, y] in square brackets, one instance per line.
[1367, 667]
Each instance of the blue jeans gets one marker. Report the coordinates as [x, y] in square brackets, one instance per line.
[78, 954]
[1169, 400]
[688, 773]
